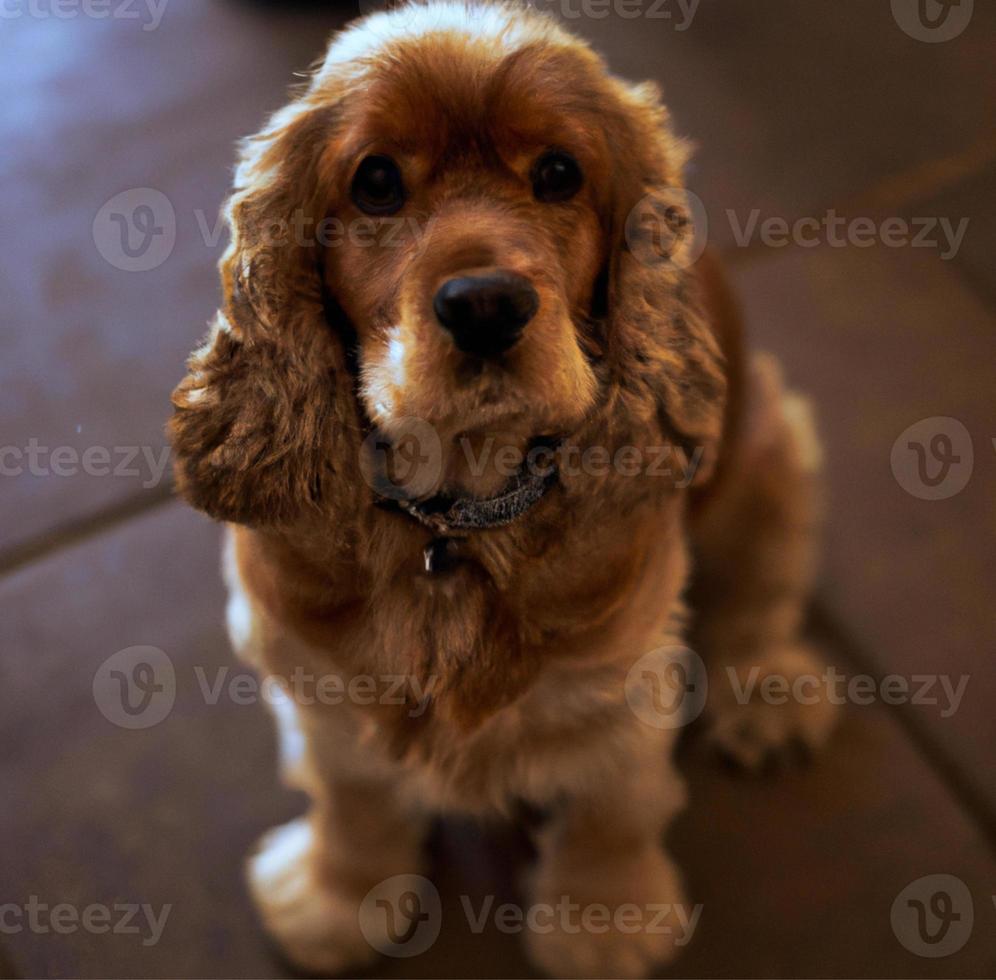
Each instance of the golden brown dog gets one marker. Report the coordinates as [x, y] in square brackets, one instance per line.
[475, 417]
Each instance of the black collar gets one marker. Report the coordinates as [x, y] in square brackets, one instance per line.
[446, 515]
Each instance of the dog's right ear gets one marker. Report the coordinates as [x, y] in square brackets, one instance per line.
[265, 426]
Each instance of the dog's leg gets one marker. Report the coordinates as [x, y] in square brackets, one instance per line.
[606, 900]
[754, 539]
[309, 878]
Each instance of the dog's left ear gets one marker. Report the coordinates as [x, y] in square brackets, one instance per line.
[660, 341]
[265, 429]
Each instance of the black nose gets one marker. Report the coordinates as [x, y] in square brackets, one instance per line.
[486, 314]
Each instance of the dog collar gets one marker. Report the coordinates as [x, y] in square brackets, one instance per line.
[446, 515]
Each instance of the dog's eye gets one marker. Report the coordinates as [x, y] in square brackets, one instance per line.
[377, 186]
[556, 177]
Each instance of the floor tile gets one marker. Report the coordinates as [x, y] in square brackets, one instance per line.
[798, 873]
[98, 813]
[883, 339]
[105, 107]
[799, 107]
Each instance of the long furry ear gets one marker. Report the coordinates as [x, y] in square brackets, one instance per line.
[265, 418]
[661, 344]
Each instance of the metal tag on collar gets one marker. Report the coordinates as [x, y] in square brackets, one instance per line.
[440, 555]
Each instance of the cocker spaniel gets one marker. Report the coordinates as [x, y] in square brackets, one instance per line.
[490, 451]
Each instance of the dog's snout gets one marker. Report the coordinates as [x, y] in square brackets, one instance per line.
[486, 314]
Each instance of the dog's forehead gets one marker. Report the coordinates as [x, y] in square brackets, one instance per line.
[443, 73]
[501, 27]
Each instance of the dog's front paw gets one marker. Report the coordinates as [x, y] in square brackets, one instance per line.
[621, 919]
[772, 708]
[316, 926]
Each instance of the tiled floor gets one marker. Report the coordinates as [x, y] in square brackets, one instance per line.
[798, 107]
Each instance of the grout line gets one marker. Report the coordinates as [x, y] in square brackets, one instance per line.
[83, 528]
[941, 760]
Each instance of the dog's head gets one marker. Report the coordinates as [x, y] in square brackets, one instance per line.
[452, 227]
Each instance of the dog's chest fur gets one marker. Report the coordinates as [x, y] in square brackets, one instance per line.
[478, 695]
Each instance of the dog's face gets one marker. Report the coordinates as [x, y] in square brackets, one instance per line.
[470, 175]
[472, 198]
[473, 210]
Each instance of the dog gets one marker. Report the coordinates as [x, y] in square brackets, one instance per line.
[483, 430]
